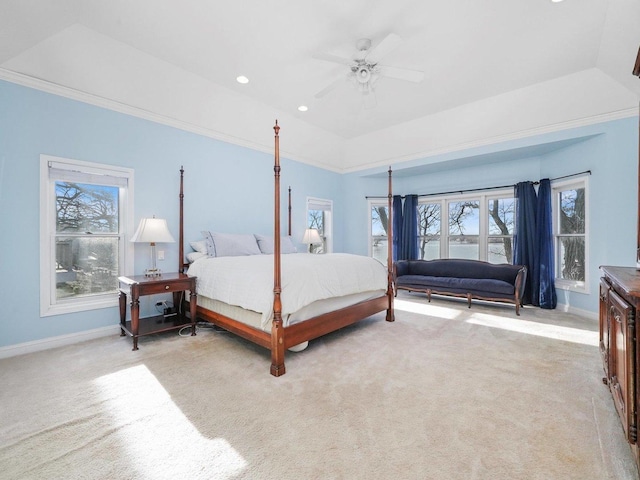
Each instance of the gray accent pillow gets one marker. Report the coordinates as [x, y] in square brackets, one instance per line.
[231, 244]
[265, 243]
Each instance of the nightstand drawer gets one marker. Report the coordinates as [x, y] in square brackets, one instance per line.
[160, 286]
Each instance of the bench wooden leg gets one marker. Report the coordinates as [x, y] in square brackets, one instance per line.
[429, 295]
[469, 299]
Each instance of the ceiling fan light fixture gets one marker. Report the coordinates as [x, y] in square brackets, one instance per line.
[363, 74]
[364, 68]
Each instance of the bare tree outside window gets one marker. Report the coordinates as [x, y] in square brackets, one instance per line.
[429, 225]
[501, 229]
[87, 227]
[571, 245]
[379, 232]
[458, 234]
[464, 229]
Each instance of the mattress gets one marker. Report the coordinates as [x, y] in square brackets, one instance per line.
[310, 284]
[255, 319]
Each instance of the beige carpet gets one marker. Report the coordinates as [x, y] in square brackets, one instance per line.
[445, 392]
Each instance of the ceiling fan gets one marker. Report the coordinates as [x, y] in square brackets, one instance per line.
[365, 68]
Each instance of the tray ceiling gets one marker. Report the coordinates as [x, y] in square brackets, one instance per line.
[492, 69]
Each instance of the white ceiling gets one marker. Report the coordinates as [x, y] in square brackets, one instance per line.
[494, 69]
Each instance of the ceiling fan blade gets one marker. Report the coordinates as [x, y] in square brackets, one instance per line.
[329, 88]
[386, 46]
[402, 73]
[328, 57]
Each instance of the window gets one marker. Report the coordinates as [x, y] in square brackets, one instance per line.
[429, 228]
[479, 226]
[319, 216]
[570, 233]
[464, 229]
[85, 219]
[378, 224]
[501, 228]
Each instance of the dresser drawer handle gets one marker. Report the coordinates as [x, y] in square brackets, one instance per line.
[166, 287]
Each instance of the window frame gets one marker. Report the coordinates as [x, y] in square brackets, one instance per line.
[557, 187]
[49, 304]
[483, 198]
[444, 201]
[327, 220]
[501, 195]
[437, 238]
[371, 204]
[445, 235]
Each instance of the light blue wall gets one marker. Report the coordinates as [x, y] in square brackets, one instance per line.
[609, 150]
[227, 188]
[218, 173]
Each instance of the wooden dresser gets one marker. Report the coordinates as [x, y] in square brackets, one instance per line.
[619, 345]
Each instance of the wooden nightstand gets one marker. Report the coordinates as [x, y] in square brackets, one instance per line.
[140, 285]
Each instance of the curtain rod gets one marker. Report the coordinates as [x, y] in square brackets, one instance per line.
[487, 188]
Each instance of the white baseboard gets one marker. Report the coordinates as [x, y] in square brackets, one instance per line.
[578, 311]
[60, 341]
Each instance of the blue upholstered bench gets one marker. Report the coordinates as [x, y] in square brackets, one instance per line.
[462, 278]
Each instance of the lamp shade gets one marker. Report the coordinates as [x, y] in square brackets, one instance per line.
[311, 237]
[153, 230]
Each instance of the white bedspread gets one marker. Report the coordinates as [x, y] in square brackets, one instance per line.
[247, 281]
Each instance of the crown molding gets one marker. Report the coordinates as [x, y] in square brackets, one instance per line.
[113, 105]
[532, 132]
[109, 104]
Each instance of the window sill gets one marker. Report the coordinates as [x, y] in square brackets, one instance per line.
[572, 286]
[83, 305]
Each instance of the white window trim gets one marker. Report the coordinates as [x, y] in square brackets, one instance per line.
[483, 236]
[557, 186]
[443, 200]
[48, 305]
[328, 227]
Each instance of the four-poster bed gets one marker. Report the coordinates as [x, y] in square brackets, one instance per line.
[349, 303]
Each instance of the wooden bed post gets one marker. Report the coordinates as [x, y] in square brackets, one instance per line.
[289, 228]
[277, 331]
[181, 240]
[390, 313]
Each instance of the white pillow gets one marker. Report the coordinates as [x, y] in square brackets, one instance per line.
[232, 244]
[265, 243]
[199, 246]
[193, 256]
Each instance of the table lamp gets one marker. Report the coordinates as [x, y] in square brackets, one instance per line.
[153, 230]
[311, 237]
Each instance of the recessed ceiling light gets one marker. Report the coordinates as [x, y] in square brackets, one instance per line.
[242, 79]
[303, 108]
[556, 1]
